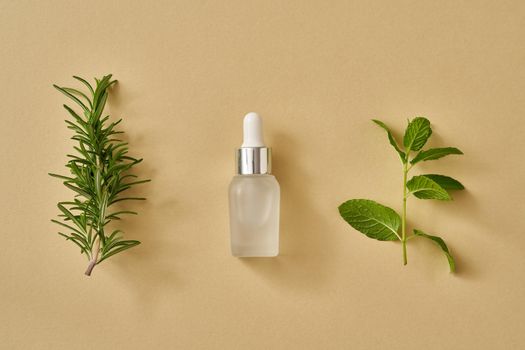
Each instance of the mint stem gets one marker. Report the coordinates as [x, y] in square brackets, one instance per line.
[404, 216]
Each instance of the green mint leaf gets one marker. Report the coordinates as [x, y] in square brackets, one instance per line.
[434, 153]
[392, 140]
[424, 187]
[371, 218]
[417, 133]
[446, 182]
[439, 241]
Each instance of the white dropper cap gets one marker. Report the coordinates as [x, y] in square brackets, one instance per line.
[253, 131]
[253, 158]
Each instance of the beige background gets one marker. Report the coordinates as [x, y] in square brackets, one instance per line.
[317, 72]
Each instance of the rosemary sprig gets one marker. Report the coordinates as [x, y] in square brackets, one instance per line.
[99, 175]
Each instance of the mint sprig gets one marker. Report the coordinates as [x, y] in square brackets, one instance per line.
[385, 224]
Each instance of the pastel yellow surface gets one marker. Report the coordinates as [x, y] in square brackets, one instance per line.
[317, 72]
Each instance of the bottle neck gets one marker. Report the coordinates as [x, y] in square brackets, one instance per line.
[254, 161]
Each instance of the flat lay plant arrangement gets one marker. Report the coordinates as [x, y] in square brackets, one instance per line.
[385, 224]
[99, 173]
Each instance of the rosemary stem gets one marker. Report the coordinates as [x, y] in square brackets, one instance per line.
[94, 258]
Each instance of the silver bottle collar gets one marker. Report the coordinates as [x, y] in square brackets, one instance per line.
[254, 160]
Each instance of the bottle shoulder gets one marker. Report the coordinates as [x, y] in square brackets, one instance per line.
[267, 179]
[254, 176]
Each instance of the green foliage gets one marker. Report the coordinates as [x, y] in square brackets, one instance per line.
[99, 174]
[441, 243]
[446, 182]
[391, 138]
[425, 188]
[382, 223]
[417, 133]
[373, 219]
[434, 153]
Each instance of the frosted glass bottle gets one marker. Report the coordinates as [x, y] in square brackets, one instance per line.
[254, 197]
[254, 218]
